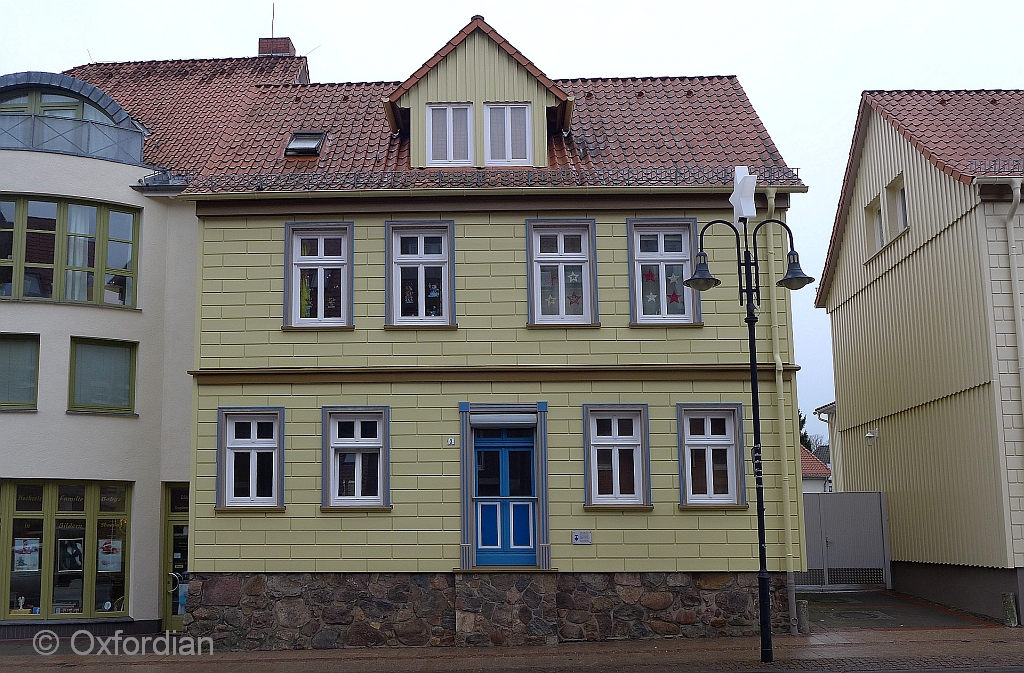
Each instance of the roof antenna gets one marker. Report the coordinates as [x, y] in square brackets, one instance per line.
[90, 55]
[271, 19]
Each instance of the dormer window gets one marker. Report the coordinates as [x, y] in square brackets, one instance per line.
[508, 135]
[305, 143]
[50, 103]
[449, 135]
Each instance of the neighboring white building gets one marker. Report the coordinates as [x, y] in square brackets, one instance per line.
[816, 477]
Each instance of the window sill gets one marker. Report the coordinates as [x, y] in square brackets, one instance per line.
[713, 506]
[432, 326]
[503, 569]
[18, 410]
[100, 412]
[304, 328]
[888, 243]
[246, 509]
[609, 507]
[666, 324]
[384, 509]
[561, 325]
[52, 302]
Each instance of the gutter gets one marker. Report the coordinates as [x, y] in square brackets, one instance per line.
[780, 402]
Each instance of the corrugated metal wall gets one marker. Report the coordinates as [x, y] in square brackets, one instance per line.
[478, 71]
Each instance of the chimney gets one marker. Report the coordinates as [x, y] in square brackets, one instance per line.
[276, 46]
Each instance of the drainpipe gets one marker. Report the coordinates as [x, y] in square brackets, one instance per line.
[787, 509]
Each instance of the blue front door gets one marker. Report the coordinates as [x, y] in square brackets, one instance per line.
[505, 497]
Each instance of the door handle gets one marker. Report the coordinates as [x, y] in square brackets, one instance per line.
[176, 579]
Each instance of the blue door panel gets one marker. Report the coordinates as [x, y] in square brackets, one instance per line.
[505, 497]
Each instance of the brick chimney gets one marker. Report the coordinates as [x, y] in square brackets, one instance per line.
[276, 46]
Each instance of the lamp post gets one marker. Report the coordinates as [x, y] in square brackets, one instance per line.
[750, 294]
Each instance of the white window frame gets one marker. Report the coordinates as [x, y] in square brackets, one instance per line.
[586, 258]
[297, 262]
[505, 109]
[661, 259]
[638, 441]
[230, 446]
[429, 118]
[732, 441]
[396, 261]
[334, 446]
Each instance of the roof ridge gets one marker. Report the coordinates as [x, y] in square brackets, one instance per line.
[322, 84]
[180, 60]
[644, 77]
[874, 91]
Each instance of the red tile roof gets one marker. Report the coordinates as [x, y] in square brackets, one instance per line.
[187, 105]
[811, 467]
[476, 23]
[963, 133]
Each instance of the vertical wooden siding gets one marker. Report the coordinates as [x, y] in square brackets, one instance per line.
[478, 71]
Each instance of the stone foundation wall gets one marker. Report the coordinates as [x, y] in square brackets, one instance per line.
[330, 610]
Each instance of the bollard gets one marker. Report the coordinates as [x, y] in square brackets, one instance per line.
[1010, 609]
[801, 617]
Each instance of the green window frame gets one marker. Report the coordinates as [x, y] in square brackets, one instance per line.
[19, 371]
[68, 549]
[97, 382]
[68, 251]
[52, 103]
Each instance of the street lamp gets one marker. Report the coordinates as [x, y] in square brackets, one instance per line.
[750, 294]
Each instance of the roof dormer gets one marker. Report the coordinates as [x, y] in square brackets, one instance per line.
[478, 102]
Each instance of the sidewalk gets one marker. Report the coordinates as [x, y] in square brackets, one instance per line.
[989, 648]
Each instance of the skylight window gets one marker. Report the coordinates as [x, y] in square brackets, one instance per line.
[305, 143]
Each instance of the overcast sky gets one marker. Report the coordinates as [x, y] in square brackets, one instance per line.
[803, 65]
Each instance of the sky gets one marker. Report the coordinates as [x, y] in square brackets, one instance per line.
[802, 64]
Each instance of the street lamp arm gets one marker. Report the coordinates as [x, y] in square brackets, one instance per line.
[739, 252]
[773, 221]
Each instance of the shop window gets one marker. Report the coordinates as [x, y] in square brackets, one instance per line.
[69, 546]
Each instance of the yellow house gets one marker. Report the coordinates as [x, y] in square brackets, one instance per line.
[449, 385]
[922, 285]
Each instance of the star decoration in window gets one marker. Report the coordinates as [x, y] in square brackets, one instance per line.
[551, 301]
[572, 277]
[650, 276]
[674, 279]
[651, 298]
[575, 298]
[673, 298]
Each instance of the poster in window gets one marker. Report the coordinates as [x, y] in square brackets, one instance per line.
[26, 553]
[109, 558]
[70, 555]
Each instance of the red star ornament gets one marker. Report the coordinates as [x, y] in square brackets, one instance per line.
[673, 298]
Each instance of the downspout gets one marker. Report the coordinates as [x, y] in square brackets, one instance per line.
[787, 508]
[1012, 253]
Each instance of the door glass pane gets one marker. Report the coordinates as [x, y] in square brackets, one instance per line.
[179, 565]
[698, 472]
[488, 473]
[69, 567]
[179, 499]
[489, 534]
[674, 297]
[650, 288]
[605, 480]
[28, 498]
[627, 476]
[332, 293]
[346, 474]
[522, 524]
[71, 498]
[264, 474]
[720, 471]
[26, 577]
[308, 293]
[410, 290]
[111, 563]
[573, 289]
[520, 473]
[240, 487]
[371, 463]
[549, 290]
[433, 288]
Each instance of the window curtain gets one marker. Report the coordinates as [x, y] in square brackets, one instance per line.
[81, 232]
[18, 361]
[103, 375]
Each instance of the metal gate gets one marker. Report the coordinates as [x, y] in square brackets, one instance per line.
[847, 536]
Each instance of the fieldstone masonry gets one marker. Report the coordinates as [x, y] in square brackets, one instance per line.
[330, 610]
